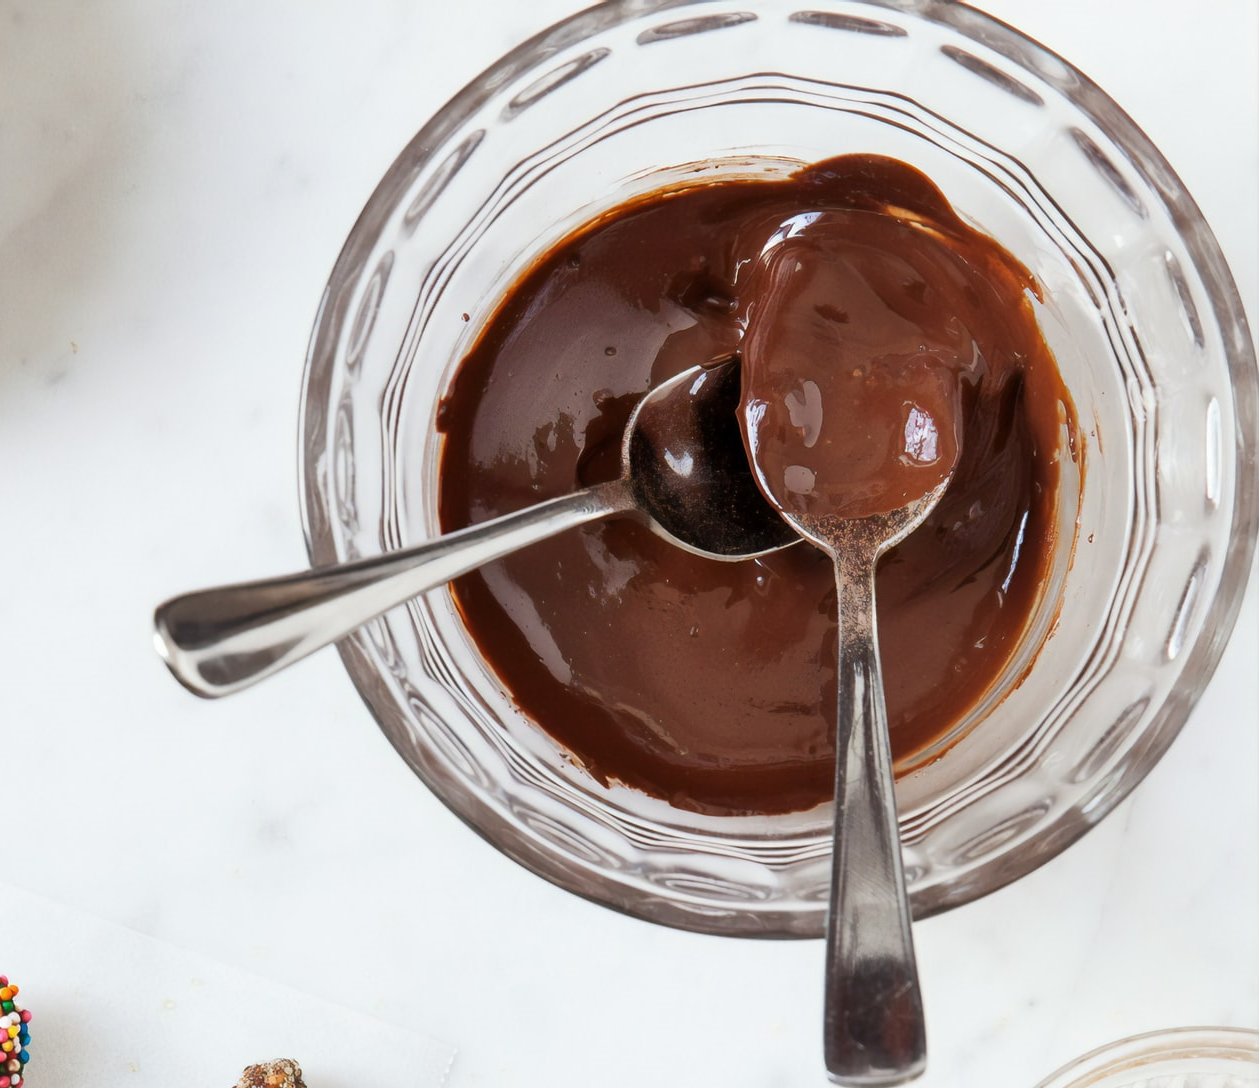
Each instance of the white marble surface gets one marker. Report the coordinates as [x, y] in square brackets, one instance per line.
[175, 182]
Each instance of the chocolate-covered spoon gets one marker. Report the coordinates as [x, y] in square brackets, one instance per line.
[854, 446]
[683, 470]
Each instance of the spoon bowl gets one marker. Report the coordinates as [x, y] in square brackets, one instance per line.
[684, 457]
[683, 471]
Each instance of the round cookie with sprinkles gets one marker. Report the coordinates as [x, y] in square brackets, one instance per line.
[15, 1036]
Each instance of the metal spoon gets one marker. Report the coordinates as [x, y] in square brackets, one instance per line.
[873, 1027]
[683, 470]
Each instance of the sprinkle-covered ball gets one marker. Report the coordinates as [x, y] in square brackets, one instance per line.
[15, 1036]
[284, 1073]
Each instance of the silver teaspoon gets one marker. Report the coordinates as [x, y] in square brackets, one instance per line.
[874, 1031]
[683, 470]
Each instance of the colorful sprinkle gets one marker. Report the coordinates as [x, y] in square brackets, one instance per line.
[14, 1036]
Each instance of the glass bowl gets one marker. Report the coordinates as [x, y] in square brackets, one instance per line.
[1139, 309]
[1180, 1058]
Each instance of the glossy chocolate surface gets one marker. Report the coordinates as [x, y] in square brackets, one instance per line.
[708, 683]
[852, 394]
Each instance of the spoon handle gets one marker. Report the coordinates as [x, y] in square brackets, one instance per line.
[875, 1033]
[218, 641]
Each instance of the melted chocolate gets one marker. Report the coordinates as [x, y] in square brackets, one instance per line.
[843, 419]
[711, 684]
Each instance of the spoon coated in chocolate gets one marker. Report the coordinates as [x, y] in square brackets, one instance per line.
[854, 448]
[683, 470]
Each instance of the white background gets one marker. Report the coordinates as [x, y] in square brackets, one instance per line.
[175, 183]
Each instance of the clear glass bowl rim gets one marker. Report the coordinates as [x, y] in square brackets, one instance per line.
[1084, 94]
[1152, 1048]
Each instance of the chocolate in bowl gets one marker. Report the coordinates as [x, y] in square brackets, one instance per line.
[711, 684]
[1138, 309]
